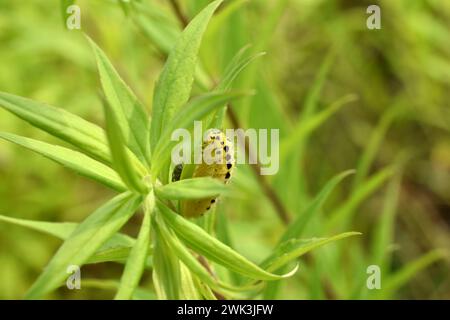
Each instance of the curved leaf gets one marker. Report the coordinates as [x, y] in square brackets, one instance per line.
[89, 236]
[295, 229]
[295, 248]
[73, 160]
[136, 261]
[346, 210]
[62, 230]
[192, 263]
[130, 114]
[198, 188]
[86, 136]
[173, 88]
[122, 161]
[200, 241]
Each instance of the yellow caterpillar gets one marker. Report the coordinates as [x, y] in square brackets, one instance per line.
[219, 166]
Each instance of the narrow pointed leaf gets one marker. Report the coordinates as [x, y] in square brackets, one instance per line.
[346, 210]
[157, 25]
[200, 241]
[174, 85]
[73, 160]
[236, 66]
[131, 117]
[406, 273]
[306, 126]
[63, 230]
[184, 255]
[295, 248]
[166, 269]
[373, 145]
[383, 235]
[138, 256]
[89, 236]
[192, 263]
[297, 227]
[122, 162]
[86, 136]
[197, 188]
[116, 249]
[313, 97]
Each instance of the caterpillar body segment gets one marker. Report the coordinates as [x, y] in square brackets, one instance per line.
[218, 162]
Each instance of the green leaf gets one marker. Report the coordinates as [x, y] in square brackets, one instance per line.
[305, 127]
[89, 236]
[116, 254]
[266, 32]
[188, 290]
[73, 160]
[236, 66]
[222, 230]
[385, 226]
[184, 255]
[407, 272]
[191, 262]
[346, 210]
[63, 230]
[312, 100]
[295, 248]
[198, 188]
[290, 250]
[122, 162]
[131, 117]
[159, 26]
[116, 249]
[138, 255]
[222, 17]
[84, 135]
[166, 268]
[194, 110]
[297, 227]
[173, 88]
[200, 241]
[373, 145]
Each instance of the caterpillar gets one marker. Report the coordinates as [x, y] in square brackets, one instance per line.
[220, 166]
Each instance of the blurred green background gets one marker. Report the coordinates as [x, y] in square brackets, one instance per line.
[317, 53]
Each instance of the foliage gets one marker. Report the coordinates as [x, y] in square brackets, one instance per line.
[304, 86]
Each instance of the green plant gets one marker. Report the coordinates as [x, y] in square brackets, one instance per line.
[132, 156]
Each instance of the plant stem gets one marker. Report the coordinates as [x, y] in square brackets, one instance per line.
[179, 13]
[267, 188]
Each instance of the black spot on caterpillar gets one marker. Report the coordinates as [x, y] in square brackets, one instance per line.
[176, 174]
